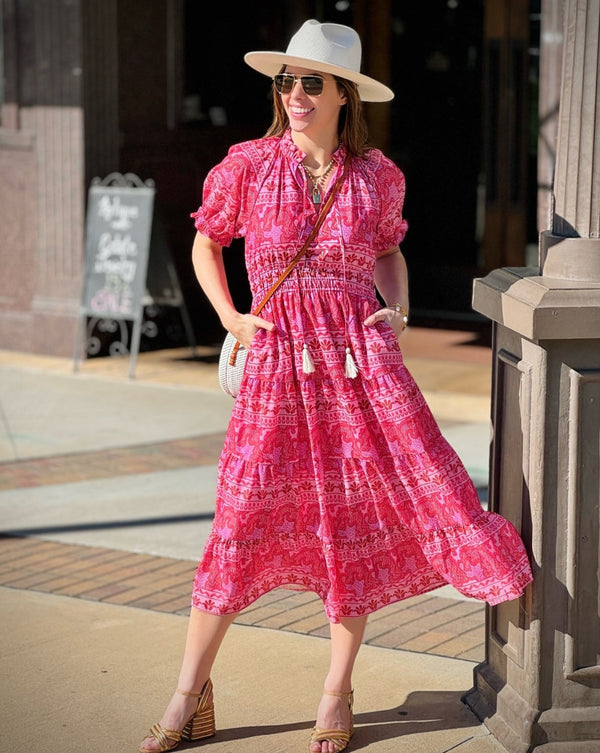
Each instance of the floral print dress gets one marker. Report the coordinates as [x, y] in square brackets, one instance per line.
[342, 486]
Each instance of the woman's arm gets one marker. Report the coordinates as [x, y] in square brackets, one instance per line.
[207, 257]
[391, 280]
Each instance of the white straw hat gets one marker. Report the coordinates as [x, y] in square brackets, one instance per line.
[324, 48]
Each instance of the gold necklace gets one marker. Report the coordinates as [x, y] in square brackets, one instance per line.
[317, 180]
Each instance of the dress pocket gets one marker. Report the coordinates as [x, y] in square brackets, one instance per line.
[257, 339]
[382, 332]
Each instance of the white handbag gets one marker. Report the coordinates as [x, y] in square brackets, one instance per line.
[230, 375]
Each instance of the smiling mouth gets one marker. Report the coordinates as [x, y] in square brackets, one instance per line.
[300, 111]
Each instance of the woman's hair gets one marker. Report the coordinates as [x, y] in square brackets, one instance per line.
[352, 126]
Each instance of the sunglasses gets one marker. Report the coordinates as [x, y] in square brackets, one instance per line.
[285, 82]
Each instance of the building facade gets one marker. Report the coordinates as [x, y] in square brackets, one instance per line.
[159, 88]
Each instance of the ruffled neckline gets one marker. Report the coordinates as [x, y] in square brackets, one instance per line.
[297, 155]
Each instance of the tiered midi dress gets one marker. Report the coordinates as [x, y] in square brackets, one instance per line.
[341, 486]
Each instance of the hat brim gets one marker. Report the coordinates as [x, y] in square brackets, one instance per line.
[269, 63]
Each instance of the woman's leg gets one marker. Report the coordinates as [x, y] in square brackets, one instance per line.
[204, 636]
[333, 712]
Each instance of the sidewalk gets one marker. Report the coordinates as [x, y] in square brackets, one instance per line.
[106, 494]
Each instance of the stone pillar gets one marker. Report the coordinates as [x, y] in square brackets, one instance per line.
[539, 686]
[59, 129]
[551, 42]
[50, 108]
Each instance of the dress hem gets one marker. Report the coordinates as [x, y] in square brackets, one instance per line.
[362, 607]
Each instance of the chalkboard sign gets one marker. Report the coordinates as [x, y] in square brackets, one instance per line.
[117, 242]
[118, 228]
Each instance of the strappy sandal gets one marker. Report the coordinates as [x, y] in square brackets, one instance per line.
[339, 737]
[200, 724]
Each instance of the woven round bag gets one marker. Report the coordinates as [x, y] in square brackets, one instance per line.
[230, 377]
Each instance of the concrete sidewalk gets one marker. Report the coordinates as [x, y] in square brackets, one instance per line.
[93, 677]
[108, 485]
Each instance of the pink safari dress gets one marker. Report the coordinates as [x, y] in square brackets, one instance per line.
[341, 486]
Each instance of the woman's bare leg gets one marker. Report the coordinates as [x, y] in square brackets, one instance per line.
[333, 712]
[204, 636]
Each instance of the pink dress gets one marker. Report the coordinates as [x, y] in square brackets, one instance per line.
[340, 486]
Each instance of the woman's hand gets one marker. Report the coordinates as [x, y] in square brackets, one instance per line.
[244, 326]
[396, 319]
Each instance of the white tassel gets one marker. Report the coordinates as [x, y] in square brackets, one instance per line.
[351, 369]
[307, 363]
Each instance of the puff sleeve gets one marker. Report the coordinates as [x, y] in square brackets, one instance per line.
[227, 198]
[392, 226]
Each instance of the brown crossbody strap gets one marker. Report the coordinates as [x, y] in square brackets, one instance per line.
[324, 209]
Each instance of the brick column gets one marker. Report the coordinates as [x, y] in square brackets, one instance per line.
[539, 687]
[59, 129]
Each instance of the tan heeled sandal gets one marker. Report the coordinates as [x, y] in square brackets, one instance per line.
[200, 724]
[339, 737]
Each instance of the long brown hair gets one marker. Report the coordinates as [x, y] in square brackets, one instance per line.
[352, 125]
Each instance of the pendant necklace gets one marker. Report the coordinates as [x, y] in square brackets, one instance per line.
[317, 181]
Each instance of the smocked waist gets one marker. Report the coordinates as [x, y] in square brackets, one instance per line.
[305, 281]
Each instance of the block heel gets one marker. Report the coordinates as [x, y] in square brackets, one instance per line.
[201, 723]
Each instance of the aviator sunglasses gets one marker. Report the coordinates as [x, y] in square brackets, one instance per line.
[285, 82]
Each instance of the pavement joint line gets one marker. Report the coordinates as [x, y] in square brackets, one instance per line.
[441, 608]
[161, 584]
[442, 643]
[426, 632]
[190, 452]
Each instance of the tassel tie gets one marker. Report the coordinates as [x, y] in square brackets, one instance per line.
[308, 366]
[350, 368]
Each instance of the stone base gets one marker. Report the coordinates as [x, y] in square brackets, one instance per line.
[538, 307]
[501, 709]
[539, 689]
[565, 728]
[522, 729]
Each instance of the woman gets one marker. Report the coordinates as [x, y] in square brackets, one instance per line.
[334, 476]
